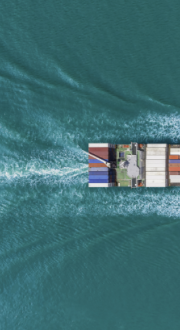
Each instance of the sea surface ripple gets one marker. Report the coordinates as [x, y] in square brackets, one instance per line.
[72, 74]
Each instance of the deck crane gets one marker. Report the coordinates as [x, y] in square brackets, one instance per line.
[111, 164]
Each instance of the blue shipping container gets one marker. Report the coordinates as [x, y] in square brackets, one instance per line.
[100, 177]
[98, 181]
[98, 169]
[174, 161]
[92, 161]
[98, 173]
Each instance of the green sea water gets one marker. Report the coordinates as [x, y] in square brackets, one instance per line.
[73, 73]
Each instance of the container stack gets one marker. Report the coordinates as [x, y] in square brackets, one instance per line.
[174, 166]
[99, 174]
[156, 159]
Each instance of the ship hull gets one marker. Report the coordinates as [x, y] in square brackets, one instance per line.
[134, 165]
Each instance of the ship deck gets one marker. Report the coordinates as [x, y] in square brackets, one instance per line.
[123, 177]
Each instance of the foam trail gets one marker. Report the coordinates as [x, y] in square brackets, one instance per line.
[53, 172]
[109, 202]
[64, 165]
[145, 127]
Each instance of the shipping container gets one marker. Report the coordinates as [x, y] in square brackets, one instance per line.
[174, 178]
[101, 185]
[175, 184]
[99, 177]
[175, 151]
[175, 145]
[156, 173]
[163, 164]
[153, 153]
[155, 145]
[159, 154]
[97, 165]
[173, 169]
[155, 177]
[174, 173]
[98, 173]
[156, 185]
[101, 157]
[96, 161]
[97, 150]
[100, 152]
[99, 169]
[155, 180]
[174, 165]
[99, 145]
[98, 181]
[156, 150]
[174, 161]
[155, 157]
[174, 157]
[155, 161]
[155, 169]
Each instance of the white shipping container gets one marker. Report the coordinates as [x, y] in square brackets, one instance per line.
[155, 157]
[155, 145]
[157, 150]
[153, 153]
[156, 185]
[101, 185]
[156, 173]
[155, 169]
[154, 180]
[175, 178]
[175, 151]
[163, 168]
[155, 177]
[155, 161]
[99, 145]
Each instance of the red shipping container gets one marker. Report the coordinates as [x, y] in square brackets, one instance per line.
[126, 146]
[174, 165]
[90, 157]
[173, 173]
[103, 156]
[173, 169]
[97, 165]
[101, 153]
[173, 157]
[98, 150]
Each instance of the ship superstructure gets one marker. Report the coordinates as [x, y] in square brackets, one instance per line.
[134, 165]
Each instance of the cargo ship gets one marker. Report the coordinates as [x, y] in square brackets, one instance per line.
[134, 165]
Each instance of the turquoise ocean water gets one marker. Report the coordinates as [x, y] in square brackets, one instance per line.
[71, 73]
